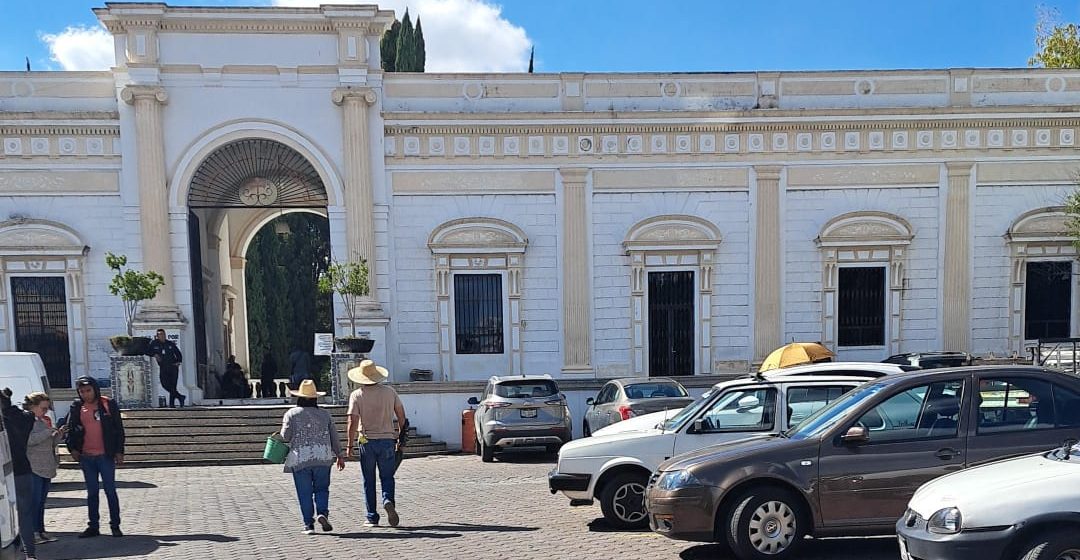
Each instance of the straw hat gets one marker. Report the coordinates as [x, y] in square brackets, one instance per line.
[306, 390]
[367, 373]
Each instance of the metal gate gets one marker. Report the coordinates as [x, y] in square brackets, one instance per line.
[861, 306]
[41, 323]
[671, 323]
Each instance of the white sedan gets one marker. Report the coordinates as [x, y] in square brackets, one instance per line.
[1026, 508]
[614, 465]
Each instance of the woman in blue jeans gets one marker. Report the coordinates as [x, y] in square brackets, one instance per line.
[313, 447]
[41, 451]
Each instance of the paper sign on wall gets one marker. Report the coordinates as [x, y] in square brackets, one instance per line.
[324, 344]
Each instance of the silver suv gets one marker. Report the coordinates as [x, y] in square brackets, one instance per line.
[523, 411]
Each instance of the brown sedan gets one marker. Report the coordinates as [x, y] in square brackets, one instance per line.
[850, 468]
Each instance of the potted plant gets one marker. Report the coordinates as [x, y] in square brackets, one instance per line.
[133, 287]
[350, 281]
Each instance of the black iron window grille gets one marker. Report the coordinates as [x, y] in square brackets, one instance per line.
[1048, 299]
[860, 313]
[478, 314]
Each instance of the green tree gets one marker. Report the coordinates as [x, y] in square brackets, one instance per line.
[1057, 44]
[132, 286]
[532, 52]
[406, 55]
[388, 47]
[419, 54]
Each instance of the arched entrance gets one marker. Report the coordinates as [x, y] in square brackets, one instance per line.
[238, 189]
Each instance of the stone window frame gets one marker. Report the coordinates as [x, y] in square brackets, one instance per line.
[1038, 235]
[672, 242]
[478, 246]
[859, 239]
[30, 247]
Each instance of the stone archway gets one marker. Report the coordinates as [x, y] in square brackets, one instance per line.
[236, 189]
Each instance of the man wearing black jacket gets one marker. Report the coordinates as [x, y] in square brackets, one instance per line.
[17, 424]
[96, 440]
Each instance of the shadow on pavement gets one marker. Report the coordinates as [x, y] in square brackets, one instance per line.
[400, 535]
[526, 455]
[601, 525]
[58, 503]
[72, 486]
[108, 547]
[469, 527]
[815, 549]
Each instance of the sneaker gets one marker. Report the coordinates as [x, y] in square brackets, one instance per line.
[308, 530]
[89, 532]
[391, 514]
[116, 532]
[370, 523]
[48, 538]
[324, 523]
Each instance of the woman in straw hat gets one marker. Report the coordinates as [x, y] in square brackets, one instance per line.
[313, 447]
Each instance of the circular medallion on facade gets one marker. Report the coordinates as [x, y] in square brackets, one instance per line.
[258, 191]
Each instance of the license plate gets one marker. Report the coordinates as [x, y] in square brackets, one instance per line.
[528, 413]
[903, 549]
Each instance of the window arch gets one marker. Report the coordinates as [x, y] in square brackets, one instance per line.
[478, 265]
[862, 246]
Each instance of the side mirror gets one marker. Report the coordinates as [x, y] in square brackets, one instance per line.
[699, 426]
[749, 402]
[474, 401]
[589, 401]
[855, 435]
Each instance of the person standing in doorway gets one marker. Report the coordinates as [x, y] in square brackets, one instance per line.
[314, 445]
[41, 450]
[18, 423]
[95, 439]
[372, 409]
[168, 358]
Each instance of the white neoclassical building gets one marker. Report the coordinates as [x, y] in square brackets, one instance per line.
[583, 225]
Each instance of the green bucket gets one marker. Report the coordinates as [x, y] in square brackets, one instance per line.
[276, 450]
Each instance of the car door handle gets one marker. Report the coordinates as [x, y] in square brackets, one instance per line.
[946, 454]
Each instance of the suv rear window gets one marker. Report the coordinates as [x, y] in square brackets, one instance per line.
[526, 388]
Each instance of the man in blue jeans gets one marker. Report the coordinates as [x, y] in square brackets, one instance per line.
[95, 439]
[372, 409]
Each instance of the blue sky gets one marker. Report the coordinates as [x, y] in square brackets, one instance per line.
[640, 35]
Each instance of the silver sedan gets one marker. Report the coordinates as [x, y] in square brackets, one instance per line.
[622, 399]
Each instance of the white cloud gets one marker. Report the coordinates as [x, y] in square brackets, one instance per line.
[459, 35]
[81, 48]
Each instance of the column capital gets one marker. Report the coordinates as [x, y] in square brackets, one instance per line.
[132, 93]
[573, 175]
[768, 172]
[959, 168]
[341, 95]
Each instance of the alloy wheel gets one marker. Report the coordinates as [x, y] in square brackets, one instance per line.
[772, 527]
[629, 502]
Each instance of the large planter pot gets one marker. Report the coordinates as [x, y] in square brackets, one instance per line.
[353, 345]
[130, 345]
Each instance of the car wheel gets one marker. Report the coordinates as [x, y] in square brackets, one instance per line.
[1057, 545]
[585, 428]
[623, 501]
[487, 452]
[767, 523]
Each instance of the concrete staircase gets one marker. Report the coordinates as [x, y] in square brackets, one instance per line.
[219, 436]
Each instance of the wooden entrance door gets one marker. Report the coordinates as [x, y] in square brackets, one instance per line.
[671, 323]
[41, 323]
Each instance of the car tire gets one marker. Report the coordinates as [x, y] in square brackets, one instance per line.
[622, 501]
[553, 448]
[586, 432]
[1052, 545]
[767, 523]
[487, 452]
[476, 446]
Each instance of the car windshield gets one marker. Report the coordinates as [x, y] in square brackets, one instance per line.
[654, 390]
[526, 388]
[675, 422]
[834, 412]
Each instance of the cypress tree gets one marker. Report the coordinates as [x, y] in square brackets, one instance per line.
[388, 47]
[406, 58]
[421, 55]
[532, 51]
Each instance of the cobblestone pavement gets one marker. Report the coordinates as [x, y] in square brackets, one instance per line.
[451, 507]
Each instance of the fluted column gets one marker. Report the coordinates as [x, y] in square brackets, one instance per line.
[956, 325]
[359, 188]
[768, 327]
[153, 192]
[577, 309]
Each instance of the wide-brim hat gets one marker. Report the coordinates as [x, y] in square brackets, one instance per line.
[306, 390]
[367, 373]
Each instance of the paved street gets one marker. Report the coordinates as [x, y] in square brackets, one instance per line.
[451, 507]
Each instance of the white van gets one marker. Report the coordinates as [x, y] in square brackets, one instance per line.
[9, 518]
[24, 373]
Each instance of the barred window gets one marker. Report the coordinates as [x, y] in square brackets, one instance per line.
[861, 309]
[1048, 299]
[478, 313]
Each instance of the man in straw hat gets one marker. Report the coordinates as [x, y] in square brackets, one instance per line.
[372, 409]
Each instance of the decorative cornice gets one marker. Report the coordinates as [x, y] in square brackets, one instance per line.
[959, 168]
[59, 130]
[132, 93]
[340, 95]
[768, 172]
[574, 175]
